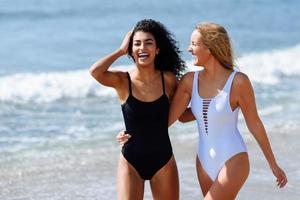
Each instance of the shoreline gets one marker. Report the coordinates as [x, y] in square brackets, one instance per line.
[91, 173]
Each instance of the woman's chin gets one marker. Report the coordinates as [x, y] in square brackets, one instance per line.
[197, 63]
[144, 64]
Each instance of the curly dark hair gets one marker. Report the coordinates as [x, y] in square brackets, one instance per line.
[168, 58]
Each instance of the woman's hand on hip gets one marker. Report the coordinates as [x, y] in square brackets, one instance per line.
[122, 137]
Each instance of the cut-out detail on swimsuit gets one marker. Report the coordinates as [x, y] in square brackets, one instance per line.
[205, 105]
[219, 137]
[149, 148]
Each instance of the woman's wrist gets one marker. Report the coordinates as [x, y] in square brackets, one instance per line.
[273, 164]
[121, 52]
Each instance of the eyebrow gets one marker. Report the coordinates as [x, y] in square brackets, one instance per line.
[147, 40]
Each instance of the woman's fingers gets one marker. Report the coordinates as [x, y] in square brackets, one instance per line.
[281, 179]
[122, 137]
[125, 43]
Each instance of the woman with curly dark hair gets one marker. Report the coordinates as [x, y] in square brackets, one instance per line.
[145, 94]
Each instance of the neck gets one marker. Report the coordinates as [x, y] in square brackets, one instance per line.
[213, 69]
[145, 74]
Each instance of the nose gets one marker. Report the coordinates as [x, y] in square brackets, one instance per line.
[142, 46]
[189, 49]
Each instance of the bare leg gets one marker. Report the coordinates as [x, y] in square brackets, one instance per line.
[129, 184]
[165, 183]
[203, 179]
[230, 179]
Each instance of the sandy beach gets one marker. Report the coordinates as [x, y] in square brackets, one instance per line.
[91, 174]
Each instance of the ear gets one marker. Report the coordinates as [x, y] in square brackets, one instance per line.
[157, 51]
[208, 50]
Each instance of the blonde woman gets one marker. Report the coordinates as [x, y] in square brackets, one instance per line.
[217, 93]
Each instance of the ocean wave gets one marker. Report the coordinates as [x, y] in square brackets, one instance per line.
[270, 110]
[264, 68]
[45, 87]
[49, 87]
[269, 67]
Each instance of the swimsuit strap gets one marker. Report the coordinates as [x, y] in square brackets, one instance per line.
[129, 83]
[228, 83]
[195, 83]
[163, 81]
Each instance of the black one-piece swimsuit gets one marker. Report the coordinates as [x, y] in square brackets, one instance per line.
[149, 148]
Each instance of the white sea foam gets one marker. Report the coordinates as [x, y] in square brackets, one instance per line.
[49, 87]
[264, 68]
[269, 67]
[270, 110]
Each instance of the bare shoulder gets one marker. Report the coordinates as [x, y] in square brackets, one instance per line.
[187, 79]
[241, 79]
[186, 82]
[170, 83]
[170, 79]
[241, 84]
[241, 76]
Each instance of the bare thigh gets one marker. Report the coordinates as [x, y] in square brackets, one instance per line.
[165, 183]
[230, 179]
[129, 184]
[203, 179]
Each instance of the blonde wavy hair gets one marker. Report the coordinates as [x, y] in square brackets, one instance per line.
[216, 39]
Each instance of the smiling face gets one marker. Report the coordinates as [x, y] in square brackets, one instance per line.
[144, 48]
[200, 52]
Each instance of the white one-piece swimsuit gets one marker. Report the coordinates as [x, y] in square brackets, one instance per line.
[219, 137]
